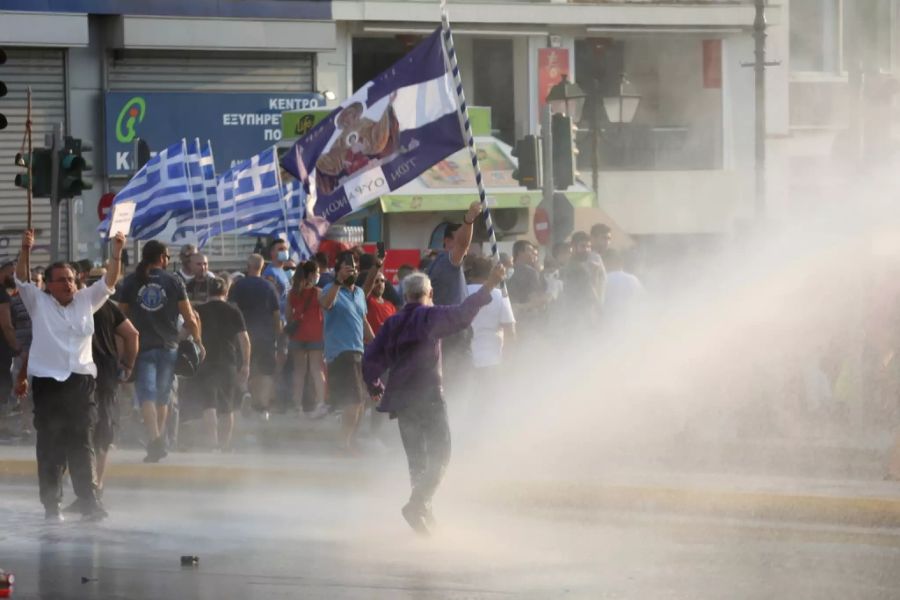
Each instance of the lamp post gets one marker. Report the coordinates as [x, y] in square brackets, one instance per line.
[620, 108]
[567, 98]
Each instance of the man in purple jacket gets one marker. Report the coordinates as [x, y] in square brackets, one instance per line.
[409, 344]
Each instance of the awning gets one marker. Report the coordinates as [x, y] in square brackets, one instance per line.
[450, 184]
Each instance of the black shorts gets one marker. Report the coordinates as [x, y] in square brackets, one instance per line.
[213, 387]
[262, 357]
[107, 418]
[345, 382]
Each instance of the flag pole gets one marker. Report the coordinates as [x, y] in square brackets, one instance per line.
[218, 203]
[28, 192]
[191, 184]
[466, 126]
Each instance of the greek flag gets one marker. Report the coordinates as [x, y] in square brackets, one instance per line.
[253, 188]
[287, 225]
[201, 168]
[160, 191]
[389, 132]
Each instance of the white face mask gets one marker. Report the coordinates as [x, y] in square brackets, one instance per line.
[283, 255]
[314, 280]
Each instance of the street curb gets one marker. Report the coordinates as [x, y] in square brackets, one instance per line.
[780, 506]
[582, 499]
[197, 476]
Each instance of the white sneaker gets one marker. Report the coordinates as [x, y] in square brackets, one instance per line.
[318, 412]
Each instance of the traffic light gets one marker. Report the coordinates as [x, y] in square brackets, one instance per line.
[41, 161]
[528, 173]
[72, 167]
[3, 91]
[564, 151]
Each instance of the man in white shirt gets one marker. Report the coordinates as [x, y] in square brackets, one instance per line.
[492, 328]
[63, 373]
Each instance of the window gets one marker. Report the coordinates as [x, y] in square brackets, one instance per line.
[815, 35]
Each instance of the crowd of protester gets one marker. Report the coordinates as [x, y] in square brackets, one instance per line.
[181, 345]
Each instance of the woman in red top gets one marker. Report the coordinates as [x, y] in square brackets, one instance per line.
[305, 330]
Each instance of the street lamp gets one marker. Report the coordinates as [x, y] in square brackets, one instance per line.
[621, 108]
[566, 98]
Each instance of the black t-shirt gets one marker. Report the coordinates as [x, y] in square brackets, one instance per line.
[5, 351]
[524, 284]
[221, 324]
[257, 300]
[106, 320]
[198, 289]
[153, 307]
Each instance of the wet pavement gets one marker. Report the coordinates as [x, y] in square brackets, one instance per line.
[315, 541]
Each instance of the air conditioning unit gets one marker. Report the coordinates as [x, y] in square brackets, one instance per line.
[507, 222]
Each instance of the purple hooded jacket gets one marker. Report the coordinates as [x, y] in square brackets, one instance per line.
[409, 344]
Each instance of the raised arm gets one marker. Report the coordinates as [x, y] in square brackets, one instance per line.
[463, 236]
[114, 265]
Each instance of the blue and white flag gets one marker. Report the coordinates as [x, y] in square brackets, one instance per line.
[195, 226]
[160, 191]
[390, 131]
[287, 225]
[254, 190]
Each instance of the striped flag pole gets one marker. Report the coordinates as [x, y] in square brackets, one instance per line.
[466, 126]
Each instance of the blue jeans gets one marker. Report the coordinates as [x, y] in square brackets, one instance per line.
[154, 372]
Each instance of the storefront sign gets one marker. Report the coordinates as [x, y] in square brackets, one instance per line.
[238, 125]
[553, 65]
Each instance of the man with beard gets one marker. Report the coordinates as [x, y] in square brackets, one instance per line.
[409, 345]
[345, 331]
[62, 369]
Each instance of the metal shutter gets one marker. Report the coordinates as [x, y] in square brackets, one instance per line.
[180, 71]
[44, 71]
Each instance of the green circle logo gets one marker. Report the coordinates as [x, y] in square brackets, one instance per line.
[132, 113]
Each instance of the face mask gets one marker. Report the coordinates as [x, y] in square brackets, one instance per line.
[283, 255]
[510, 271]
[314, 280]
[290, 273]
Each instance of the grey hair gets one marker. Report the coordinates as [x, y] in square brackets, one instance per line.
[255, 262]
[416, 286]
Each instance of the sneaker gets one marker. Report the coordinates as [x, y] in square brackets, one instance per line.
[53, 514]
[156, 450]
[78, 506]
[318, 412]
[415, 516]
[94, 513]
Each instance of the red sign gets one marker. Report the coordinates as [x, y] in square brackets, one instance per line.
[712, 64]
[553, 65]
[103, 206]
[542, 227]
[396, 258]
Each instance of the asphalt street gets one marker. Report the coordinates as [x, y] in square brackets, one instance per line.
[325, 541]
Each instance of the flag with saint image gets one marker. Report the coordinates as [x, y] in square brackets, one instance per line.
[386, 134]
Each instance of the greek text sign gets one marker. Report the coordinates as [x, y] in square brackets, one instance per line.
[238, 125]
